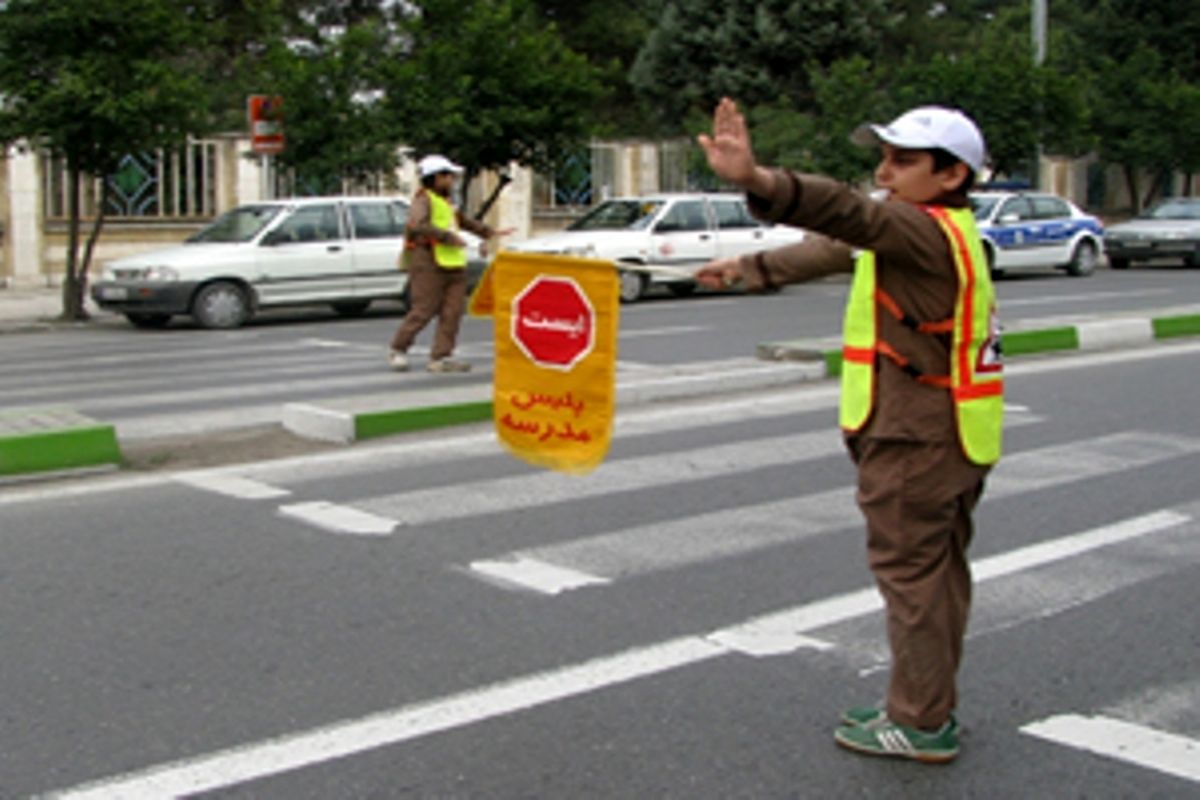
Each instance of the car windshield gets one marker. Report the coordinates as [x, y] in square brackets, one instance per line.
[982, 206]
[618, 215]
[1175, 209]
[239, 225]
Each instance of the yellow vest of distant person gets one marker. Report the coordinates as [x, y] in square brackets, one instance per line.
[443, 217]
[975, 381]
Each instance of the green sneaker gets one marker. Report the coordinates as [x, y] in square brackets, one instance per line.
[861, 715]
[865, 715]
[882, 737]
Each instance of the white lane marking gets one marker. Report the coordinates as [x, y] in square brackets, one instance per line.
[787, 630]
[260, 760]
[231, 485]
[498, 495]
[1113, 738]
[686, 540]
[339, 519]
[641, 333]
[1059, 299]
[779, 632]
[1059, 549]
[536, 575]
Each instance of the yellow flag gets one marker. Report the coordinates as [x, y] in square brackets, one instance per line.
[554, 391]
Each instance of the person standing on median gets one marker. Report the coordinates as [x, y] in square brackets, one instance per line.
[435, 256]
[921, 403]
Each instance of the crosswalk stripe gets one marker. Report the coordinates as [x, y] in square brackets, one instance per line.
[788, 630]
[231, 485]
[1124, 741]
[339, 519]
[294, 751]
[535, 575]
[721, 534]
[426, 506]
[493, 496]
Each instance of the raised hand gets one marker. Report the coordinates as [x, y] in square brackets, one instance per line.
[728, 150]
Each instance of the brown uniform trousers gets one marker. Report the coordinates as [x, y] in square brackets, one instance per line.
[917, 498]
[433, 291]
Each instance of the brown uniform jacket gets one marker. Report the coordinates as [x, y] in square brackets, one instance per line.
[913, 264]
[420, 233]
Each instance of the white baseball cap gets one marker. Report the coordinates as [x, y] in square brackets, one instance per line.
[432, 165]
[927, 128]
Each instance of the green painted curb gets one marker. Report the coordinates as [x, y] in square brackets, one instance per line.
[1039, 341]
[833, 363]
[48, 451]
[1168, 327]
[385, 423]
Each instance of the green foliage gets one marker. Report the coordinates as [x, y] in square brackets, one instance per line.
[757, 51]
[92, 80]
[335, 123]
[487, 82]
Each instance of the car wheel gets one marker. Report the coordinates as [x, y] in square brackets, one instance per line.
[682, 289]
[1118, 263]
[148, 321]
[221, 305]
[1083, 260]
[633, 285]
[351, 308]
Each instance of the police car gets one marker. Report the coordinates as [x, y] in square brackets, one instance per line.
[1032, 230]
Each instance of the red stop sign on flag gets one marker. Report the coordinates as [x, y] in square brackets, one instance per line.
[553, 322]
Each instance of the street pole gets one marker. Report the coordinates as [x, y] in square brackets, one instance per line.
[1039, 58]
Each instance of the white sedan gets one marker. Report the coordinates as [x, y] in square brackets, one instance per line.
[664, 239]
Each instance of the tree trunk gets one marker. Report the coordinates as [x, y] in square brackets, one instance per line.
[90, 247]
[72, 290]
[1131, 185]
[1156, 187]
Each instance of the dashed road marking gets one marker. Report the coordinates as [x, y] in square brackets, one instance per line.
[1124, 741]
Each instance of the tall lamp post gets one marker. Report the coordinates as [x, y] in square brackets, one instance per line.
[1039, 57]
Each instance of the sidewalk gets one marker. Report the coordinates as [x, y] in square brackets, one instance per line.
[33, 309]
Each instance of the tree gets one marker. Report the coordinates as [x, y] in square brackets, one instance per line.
[90, 81]
[759, 51]
[487, 82]
[1019, 106]
[337, 127]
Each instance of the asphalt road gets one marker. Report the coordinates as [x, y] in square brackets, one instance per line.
[154, 383]
[687, 621]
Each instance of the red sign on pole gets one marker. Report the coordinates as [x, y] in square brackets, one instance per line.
[553, 322]
[266, 123]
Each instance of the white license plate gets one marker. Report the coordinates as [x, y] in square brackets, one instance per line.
[114, 293]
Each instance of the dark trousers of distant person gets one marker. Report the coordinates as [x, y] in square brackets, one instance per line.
[433, 291]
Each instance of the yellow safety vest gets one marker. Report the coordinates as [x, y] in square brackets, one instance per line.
[976, 380]
[443, 216]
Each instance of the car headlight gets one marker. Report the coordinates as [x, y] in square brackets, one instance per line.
[580, 251]
[160, 274]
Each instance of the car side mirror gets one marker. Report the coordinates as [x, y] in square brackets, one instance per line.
[1009, 219]
[272, 238]
[666, 227]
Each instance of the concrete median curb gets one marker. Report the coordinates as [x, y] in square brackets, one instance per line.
[1107, 334]
[346, 421]
[42, 441]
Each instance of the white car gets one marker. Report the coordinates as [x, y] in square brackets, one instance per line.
[1032, 230]
[340, 251]
[664, 239]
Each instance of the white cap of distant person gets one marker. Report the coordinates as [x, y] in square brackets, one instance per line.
[929, 128]
[435, 164]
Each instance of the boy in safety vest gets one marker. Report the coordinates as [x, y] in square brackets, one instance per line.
[436, 258]
[921, 402]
